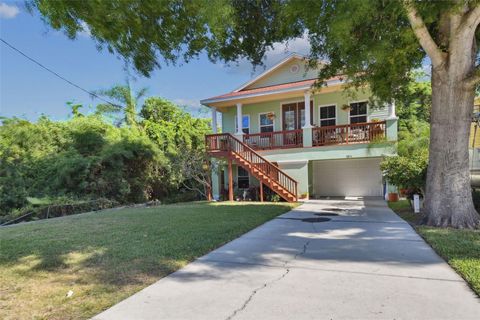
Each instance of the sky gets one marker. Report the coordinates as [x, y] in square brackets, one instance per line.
[28, 91]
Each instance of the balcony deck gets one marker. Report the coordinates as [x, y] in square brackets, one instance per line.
[321, 136]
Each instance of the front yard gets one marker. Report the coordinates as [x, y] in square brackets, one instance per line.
[460, 248]
[104, 257]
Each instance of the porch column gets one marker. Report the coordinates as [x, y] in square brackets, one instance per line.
[307, 128]
[239, 120]
[391, 111]
[391, 123]
[230, 180]
[308, 116]
[214, 120]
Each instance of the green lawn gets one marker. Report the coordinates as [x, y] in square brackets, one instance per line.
[104, 257]
[460, 248]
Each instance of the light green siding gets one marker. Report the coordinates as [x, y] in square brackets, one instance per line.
[297, 162]
[339, 99]
[284, 75]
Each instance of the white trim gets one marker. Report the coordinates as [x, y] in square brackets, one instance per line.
[266, 93]
[358, 101]
[287, 162]
[260, 123]
[271, 69]
[249, 123]
[327, 105]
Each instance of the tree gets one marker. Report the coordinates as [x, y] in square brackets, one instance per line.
[127, 102]
[370, 42]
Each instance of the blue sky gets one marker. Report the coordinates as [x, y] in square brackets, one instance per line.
[26, 90]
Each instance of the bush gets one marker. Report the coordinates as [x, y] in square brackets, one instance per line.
[406, 172]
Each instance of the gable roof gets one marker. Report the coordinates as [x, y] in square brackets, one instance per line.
[279, 88]
[270, 70]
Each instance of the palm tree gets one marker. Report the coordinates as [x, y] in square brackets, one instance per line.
[126, 102]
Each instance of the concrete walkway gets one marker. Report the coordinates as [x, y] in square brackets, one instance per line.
[365, 263]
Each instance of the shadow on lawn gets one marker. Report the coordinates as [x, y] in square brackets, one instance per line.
[127, 247]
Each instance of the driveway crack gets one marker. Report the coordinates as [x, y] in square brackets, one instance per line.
[266, 284]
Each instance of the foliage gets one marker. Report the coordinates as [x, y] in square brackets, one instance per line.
[368, 41]
[126, 102]
[413, 137]
[181, 137]
[86, 157]
[105, 257]
[406, 171]
[416, 100]
[57, 207]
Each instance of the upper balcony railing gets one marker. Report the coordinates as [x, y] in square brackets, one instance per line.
[349, 133]
[321, 136]
[274, 140]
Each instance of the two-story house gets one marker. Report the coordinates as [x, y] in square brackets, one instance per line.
[300, 141]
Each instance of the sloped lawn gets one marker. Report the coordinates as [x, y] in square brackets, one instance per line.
[460, 248]
[104, 257]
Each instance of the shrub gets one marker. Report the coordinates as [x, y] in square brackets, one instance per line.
[406, 172]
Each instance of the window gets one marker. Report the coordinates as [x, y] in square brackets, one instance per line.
[328, 116]
[245, 123]
[266, 122]
[293, 115]
[243, 179]
[358, 112]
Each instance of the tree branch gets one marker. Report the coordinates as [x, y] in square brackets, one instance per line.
[437, 57]
[474, 79]
[471, 20]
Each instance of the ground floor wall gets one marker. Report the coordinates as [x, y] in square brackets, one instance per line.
[300, 164]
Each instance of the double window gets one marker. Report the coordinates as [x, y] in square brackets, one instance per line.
[245, 124]
[243, 179]
[328, 116]
[266, 122]
[358, 112]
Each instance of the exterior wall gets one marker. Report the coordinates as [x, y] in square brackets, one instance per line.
[296, 162]
[283, 75]
[338, 98]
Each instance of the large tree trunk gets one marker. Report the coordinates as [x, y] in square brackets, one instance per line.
[448, 200]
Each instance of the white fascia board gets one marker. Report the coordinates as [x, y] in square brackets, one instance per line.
[259, 94]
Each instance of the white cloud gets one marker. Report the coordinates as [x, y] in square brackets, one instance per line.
[86, 30]
[192, 106]
[8, 11]
[279, 51]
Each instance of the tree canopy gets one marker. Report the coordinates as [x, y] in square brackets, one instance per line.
[369, 42]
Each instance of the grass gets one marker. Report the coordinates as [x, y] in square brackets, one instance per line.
[104, 257]
[460, 248]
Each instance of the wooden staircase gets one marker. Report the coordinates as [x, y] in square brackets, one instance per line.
[225, 145]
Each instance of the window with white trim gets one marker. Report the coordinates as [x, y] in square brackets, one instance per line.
[328, 116]
[358, 112]
[266, 122]
[245, 124]
[243, 178]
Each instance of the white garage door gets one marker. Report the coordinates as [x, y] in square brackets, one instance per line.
[348, 177]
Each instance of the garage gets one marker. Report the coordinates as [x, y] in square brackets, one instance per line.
[347, 177]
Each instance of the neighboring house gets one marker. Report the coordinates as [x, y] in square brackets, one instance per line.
[474, 145]
[323, 150]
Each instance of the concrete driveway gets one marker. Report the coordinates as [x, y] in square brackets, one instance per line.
[364, 263]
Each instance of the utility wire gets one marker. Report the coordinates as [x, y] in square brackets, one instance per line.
[93, 94]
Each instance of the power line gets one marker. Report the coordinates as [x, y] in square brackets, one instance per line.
[57, 75]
